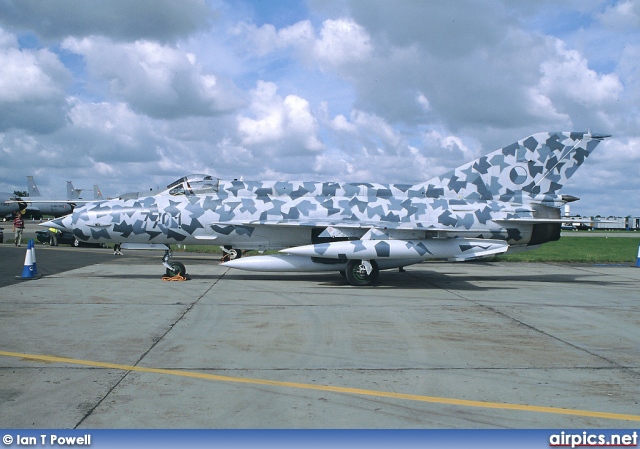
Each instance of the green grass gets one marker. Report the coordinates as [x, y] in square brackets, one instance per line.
[201, 249]
[581, 249]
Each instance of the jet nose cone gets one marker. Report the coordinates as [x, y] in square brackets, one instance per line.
[59, 223]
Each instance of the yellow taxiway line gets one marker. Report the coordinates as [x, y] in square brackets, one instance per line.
[327, 388]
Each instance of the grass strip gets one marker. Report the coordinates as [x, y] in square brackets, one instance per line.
[582, 250]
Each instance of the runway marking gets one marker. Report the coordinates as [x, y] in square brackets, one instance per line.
[328, 388]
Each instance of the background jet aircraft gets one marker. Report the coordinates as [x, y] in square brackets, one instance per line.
[507, 200]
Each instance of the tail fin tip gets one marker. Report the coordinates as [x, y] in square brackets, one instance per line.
[539, 164]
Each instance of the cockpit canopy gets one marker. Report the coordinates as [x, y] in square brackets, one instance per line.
[187, 185]
[195, 184]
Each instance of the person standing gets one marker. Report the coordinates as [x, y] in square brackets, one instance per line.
[18, 228]
[53, 237]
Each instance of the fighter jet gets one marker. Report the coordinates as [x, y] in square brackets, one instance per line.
[508, 200]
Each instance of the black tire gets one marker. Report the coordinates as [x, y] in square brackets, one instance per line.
[177, 269]
[233, 253]
[357, 275]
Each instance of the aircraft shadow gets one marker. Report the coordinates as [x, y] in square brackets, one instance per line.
[409, 280]
[392, 279]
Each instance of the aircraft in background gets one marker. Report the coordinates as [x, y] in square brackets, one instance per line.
[9, 205]
[508, 200]
[97, 194]
[34, 206]
[37, 206]
[74, 194]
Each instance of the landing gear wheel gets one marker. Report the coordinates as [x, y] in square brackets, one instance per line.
[231, 253]
[235, 253]
[358, 275]
[177, 269]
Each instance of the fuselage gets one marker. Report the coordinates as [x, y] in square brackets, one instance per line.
[7, 208]
[274, 215]
[55, 209]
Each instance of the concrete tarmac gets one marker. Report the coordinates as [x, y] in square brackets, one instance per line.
[103, 342]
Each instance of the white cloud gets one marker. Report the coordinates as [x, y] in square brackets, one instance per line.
[155, 79]
[8, 40]
[287, 121]
[334, 164]
[266, 39]
[629, 72]
[342, 41]
[27, 76]
[454, 146]
[540, 105]
[340, 123]
[32, 87]
[622, 15]
[567, 75]
[111, 132]
[423, 101]
[376, 128]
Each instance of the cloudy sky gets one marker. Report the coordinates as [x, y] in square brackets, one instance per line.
[134, 94]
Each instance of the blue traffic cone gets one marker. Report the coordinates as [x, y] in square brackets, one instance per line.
[28, 271]
[638, 259]
[32, 244]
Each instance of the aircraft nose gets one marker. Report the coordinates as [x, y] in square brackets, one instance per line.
[62, 223]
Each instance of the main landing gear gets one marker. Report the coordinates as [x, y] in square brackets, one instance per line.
[362, 272]
[230, 253]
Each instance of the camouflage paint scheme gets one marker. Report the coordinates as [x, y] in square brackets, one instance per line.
[509, 198]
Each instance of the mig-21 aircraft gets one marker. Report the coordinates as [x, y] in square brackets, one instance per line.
[505, 201]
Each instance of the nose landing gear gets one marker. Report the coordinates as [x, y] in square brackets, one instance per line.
[175, 270]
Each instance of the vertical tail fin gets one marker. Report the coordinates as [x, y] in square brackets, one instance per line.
[31, 187]
[71, 193]
[537, 165]
[97, 194]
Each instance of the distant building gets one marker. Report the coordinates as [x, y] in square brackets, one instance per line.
[610, 223]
